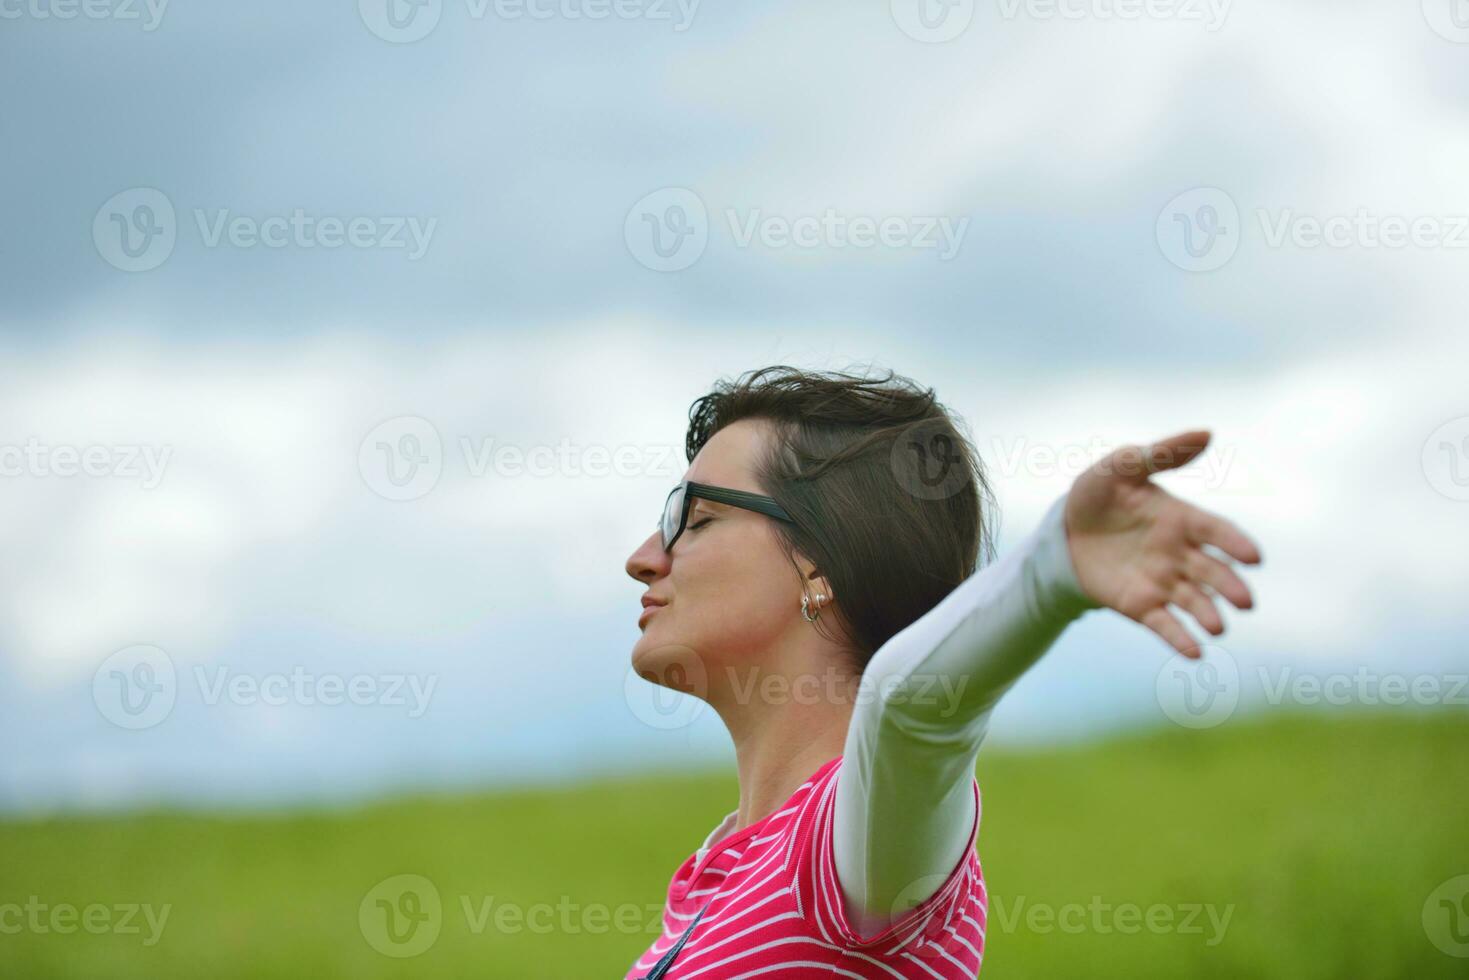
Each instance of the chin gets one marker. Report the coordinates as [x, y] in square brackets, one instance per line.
[670, 664]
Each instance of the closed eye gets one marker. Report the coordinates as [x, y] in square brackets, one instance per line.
[698, 524]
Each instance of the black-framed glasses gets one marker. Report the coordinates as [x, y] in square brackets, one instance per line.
[681, 498]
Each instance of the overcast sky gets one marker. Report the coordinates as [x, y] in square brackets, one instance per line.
[257, 259]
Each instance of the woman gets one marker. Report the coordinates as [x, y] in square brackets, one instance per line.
[813, 579]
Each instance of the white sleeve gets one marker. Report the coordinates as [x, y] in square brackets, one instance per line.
[905, 802]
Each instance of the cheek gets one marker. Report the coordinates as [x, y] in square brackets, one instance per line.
[732, 612]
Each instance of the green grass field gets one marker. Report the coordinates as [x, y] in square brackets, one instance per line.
[1320, 840]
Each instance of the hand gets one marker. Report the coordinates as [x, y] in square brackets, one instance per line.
[1136, 548]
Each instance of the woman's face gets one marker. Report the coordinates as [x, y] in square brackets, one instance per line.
[729, 592]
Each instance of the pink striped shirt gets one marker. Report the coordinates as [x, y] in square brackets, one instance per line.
[777, 908]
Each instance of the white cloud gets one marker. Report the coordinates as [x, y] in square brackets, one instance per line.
[1319, 460]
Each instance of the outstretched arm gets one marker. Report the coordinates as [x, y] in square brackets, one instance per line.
[905, 805]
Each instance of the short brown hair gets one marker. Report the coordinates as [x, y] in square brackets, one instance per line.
[850, 463]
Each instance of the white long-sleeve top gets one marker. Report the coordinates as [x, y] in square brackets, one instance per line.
[904, 800]
[905, 805]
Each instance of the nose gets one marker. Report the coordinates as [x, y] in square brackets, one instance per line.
[649, 561]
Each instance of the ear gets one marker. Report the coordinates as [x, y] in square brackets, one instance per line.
[820, 585]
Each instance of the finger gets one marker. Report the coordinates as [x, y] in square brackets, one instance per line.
[1187, 595]
[1166, 625]
[1177, 450]
[1218, 576]
[1206, 528]
[1137, 463]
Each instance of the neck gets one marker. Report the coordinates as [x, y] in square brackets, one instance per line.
[781, 740]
